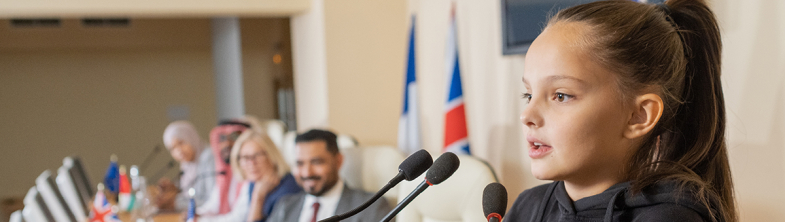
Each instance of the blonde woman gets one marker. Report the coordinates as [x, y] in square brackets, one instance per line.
[256, 160]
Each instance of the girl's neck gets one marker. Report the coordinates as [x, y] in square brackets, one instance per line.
[578, 190]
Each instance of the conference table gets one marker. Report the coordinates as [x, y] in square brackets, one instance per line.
[161, 217]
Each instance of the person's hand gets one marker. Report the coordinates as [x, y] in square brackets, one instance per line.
[266, 184]
[166, 194]
[261, 188]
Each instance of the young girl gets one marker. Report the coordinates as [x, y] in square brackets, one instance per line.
[626, 113]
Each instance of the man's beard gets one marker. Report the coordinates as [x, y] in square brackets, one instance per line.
[226, 154]
[319, 191]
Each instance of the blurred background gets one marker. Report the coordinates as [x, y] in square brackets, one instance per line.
[94, 78]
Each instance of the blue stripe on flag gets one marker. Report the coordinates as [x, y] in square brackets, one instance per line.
[410, 70]
[456, 89]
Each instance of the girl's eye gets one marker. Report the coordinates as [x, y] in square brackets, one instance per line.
[561, 97]
[527, 97]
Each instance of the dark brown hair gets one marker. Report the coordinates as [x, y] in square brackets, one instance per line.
[674, 48]
[329, 138]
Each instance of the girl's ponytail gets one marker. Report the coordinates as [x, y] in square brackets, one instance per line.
[699, 122]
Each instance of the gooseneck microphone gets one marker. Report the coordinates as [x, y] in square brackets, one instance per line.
[200, 177]
[494, 202]
[208, 174]
[164, 169]
[149, 157]
[443, 168]
[411, 168]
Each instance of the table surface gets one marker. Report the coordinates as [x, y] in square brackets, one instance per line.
[162, 217]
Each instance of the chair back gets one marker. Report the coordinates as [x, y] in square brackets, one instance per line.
[370, 168]
[275, 130]
[459, 198]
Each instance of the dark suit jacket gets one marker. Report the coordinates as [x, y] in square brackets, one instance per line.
[288, 208]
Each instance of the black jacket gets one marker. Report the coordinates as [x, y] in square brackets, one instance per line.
[660, 202]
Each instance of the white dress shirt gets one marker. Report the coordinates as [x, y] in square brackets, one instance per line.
[210, 207]
[328, 202]
[239, 208]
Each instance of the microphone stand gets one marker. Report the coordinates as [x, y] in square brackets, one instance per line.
[147, 159]
[394, 181]
[161, 172]
[420, 188]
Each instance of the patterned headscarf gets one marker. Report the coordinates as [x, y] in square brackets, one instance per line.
[226, 130]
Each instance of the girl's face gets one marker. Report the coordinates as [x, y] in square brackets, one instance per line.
[574, 120]
[253, 161]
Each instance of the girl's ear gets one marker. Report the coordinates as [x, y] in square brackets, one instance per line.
[645, 115]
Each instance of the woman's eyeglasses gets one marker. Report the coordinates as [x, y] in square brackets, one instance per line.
[250, 158]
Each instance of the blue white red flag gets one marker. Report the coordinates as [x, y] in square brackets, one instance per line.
[409, 139]
[456, 136]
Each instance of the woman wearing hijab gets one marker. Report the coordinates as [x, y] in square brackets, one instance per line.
[197, 164]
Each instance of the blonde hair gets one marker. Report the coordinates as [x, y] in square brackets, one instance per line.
[261, 139]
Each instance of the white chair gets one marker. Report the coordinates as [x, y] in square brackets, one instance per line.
[287, 147]
[275, 130]
[459, 198]
[16, 217]
[35, 208]
[370, 168]
[67, 186]
[47, 187]
[346, 141]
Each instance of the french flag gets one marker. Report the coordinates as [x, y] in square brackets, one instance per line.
[409, 124]
[456, 136]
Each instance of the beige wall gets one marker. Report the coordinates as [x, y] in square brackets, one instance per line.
[149, 8]
[366, 51]
[97, 92]
[754, 85]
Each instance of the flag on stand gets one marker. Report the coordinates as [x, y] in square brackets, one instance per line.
[456, 136]
[191, 207]
[409, 124]
[124, 197]
[102, 210]
[112, 177]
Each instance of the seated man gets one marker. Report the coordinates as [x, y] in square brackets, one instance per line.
[317, 164]
[225, 191]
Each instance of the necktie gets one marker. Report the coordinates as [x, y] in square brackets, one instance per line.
[315, 211]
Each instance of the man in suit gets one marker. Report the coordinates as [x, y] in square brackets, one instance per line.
[318, 161]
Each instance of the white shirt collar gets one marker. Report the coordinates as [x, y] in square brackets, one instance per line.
[328, 203]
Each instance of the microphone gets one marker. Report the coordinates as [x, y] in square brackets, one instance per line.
[494, 202]
[149, 157]
[199, 177]
[411, 168]
[208, 174]
[443, 168]
[164, 169]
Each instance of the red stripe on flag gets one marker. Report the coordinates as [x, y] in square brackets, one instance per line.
[455, 125]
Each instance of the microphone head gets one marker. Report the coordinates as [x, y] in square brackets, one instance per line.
[443, 168]
[494, 199]
[416, 164]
